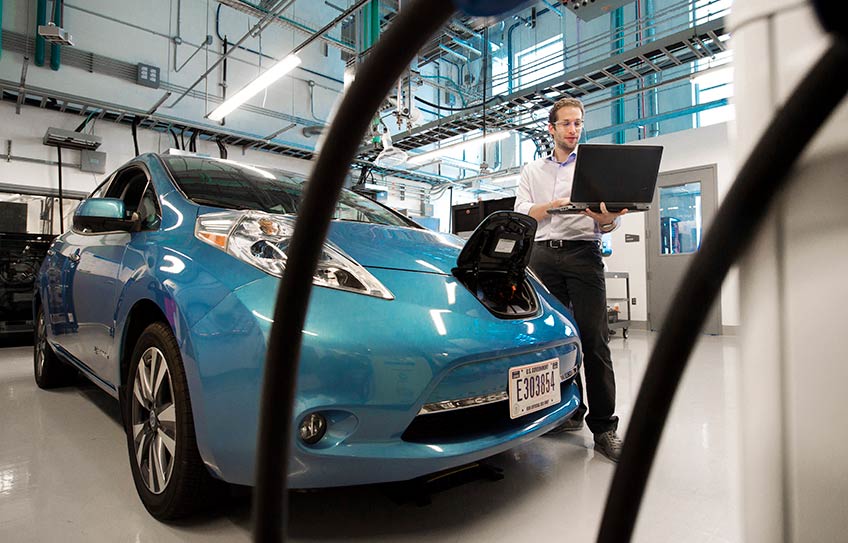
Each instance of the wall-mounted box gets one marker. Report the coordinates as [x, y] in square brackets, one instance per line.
[92, 161]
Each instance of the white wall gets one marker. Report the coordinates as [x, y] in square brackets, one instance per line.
[687, 149]
[26, 132]
[143, 32]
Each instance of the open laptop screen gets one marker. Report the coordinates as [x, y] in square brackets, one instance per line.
[620, 174]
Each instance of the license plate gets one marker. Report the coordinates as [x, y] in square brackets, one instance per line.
[533, 387]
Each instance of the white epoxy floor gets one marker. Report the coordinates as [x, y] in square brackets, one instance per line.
[64, 474]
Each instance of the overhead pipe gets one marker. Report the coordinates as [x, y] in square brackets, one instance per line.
[682, 112]
[459, 90]
[298, 26]
[224, 77]
[176, 138]
[263, 55]
[253, 32]
[375, 21]
[56, 49]
[617, 109]
[134, 128]
[40, 19]
[61, 198]
[653, 97]
[259, 27]
[450, 51]
[222, 149]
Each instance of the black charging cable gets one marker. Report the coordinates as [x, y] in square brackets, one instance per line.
[740, 214]
[413, 26]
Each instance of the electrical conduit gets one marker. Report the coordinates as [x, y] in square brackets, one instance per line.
[56, 49]
[40, 19]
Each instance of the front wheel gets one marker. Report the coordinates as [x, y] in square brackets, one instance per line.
[167, 469]
[48, 369]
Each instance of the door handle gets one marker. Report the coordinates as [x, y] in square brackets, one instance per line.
[50, 252]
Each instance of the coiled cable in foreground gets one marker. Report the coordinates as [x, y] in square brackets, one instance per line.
[412, 27]
[742, 211]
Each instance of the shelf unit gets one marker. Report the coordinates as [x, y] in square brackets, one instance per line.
[620, 324]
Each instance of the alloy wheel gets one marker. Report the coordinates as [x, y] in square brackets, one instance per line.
[154, 422]
[40, 345]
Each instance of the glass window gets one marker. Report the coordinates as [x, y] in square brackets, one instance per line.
[230, 185]
[680, 219]
[540, 62]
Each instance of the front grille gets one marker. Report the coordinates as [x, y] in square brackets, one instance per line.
[471, 423]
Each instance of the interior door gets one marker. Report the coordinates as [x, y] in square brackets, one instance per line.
[683, 209]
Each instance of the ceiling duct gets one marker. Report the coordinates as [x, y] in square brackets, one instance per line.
[67, 139]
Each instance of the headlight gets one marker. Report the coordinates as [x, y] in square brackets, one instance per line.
[262, 239]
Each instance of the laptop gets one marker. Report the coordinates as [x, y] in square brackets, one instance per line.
[621, 176]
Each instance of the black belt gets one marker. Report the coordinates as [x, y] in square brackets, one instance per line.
[563, 243]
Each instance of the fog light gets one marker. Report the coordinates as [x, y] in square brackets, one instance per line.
[312, 428]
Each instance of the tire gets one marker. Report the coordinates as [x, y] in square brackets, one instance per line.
[169, 474]
[49, 370]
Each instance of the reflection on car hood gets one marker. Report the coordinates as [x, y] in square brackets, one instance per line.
[396, 247]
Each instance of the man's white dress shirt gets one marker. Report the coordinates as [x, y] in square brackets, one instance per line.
[544, 180]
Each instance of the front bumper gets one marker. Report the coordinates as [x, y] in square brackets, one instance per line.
[369, 365]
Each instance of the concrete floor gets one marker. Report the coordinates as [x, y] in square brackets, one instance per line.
[64, 474]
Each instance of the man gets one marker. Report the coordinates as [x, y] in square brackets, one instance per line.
[567, 257]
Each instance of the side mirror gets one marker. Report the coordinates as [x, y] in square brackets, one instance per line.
[104, 215]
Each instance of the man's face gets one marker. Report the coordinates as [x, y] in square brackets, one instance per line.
[566, 129]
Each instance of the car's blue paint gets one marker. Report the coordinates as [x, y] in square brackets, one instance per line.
[396, 247]
[109, 208]
[367, 363]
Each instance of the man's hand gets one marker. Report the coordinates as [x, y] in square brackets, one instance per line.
[540, 211]
[604, 217]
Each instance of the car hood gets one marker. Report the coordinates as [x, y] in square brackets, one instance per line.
[396, 247]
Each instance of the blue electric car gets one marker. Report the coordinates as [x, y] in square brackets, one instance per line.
[420, 352]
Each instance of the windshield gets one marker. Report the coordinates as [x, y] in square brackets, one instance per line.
[231, 185]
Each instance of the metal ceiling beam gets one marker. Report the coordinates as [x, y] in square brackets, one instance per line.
[651, 58]
[287, 22]
[262, 25]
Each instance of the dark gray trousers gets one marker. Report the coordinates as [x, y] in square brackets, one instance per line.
[574, 273]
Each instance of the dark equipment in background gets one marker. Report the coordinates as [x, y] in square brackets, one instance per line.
[467, 217]
[20, 258]
[13, 217]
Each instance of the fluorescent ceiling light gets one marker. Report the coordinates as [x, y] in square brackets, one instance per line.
[254, 87]
[423, 157]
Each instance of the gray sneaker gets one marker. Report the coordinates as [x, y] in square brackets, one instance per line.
[609, 445]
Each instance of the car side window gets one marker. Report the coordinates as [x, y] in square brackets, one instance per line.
[133, 187]
[148, 210]
[100, 191]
